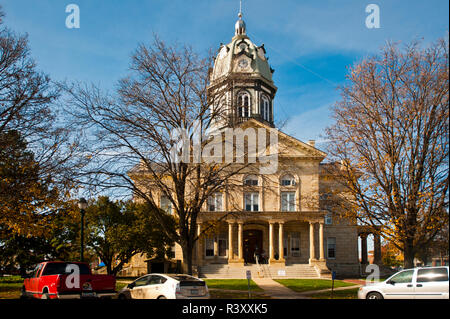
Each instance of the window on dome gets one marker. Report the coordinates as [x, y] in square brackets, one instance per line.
[244, 104]
[265, 108]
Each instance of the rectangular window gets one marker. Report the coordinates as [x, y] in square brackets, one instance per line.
[287, 201]
[251, 202]
[166, 204]
[295, 244]
[209, 247]
[331, 244]
[432, 274]
[215, 202]
[328, 219]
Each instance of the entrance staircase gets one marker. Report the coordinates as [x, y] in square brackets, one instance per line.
[224, 271]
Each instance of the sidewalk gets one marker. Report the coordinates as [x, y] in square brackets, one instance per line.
[276, 290]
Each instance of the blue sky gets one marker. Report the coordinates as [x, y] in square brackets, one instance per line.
[310, 43]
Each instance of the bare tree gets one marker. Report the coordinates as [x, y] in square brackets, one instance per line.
[28, 107]
[133, 145]
[25, 93]
[392, 140]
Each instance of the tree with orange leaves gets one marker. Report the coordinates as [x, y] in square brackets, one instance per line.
[391, 135]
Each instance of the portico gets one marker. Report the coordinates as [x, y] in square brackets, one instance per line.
[265, 236]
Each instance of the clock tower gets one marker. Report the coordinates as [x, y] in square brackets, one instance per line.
[241, 84]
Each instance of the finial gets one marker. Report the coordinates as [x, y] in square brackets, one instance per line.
[240, 24]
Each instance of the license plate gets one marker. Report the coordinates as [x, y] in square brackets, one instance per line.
[194, 292]
[87, 294]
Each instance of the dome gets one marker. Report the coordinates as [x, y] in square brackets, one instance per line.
[241, 55]
[243, 65]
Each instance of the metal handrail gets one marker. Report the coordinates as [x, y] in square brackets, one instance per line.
[259, 266]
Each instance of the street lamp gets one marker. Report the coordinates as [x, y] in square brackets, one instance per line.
[82, 204]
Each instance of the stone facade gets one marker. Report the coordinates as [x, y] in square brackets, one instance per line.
[279, 217]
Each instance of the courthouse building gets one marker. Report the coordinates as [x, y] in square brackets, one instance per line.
[280, 224]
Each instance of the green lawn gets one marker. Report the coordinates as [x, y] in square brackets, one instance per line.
[301, 285]
[340, 294]
[10, 287]
[120, 285]
[232, 284]
[225, 294]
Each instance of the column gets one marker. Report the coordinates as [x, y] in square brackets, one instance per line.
[271, 252]
[230, 241]
[312, 249]
[280, 242]
[321, 253]
[377, 249]
[216, 247]
[199, 246]
[240, 241]
[363, 248]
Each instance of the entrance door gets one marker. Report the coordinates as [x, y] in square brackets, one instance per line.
[253, 240]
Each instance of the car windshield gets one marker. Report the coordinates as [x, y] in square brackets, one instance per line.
[183, 278]
[61, 268]
[143, 281]
[403, 277]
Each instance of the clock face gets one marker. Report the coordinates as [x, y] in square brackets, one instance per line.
[242, 46]
[243, 63]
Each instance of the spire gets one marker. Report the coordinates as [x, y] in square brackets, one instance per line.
[240, 24]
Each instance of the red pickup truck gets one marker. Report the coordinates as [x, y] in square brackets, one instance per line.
[67, 280]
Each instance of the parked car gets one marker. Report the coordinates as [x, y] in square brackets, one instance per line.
[417, 283]
[165, 286]
[50, 280]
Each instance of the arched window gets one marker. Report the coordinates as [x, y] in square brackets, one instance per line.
[243, 103]
[288, 180]
[251, 180]
[265, 108]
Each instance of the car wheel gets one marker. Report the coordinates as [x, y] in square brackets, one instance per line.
[23, 294]
[122, 297]
[162, 297]
[45, 295]
[374, 295]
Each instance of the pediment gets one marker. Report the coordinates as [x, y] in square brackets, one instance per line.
[289, 146]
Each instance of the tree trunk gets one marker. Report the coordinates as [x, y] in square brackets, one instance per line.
[187, 257]
[408, 255]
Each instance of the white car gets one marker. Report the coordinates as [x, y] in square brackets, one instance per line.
[165, 286]
[417, 283]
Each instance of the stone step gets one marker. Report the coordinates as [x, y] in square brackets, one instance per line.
[263, 271]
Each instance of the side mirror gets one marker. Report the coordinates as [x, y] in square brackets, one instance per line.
[131, 286]
[391, 282]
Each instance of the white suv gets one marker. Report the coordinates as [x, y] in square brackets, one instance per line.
[417, 283]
